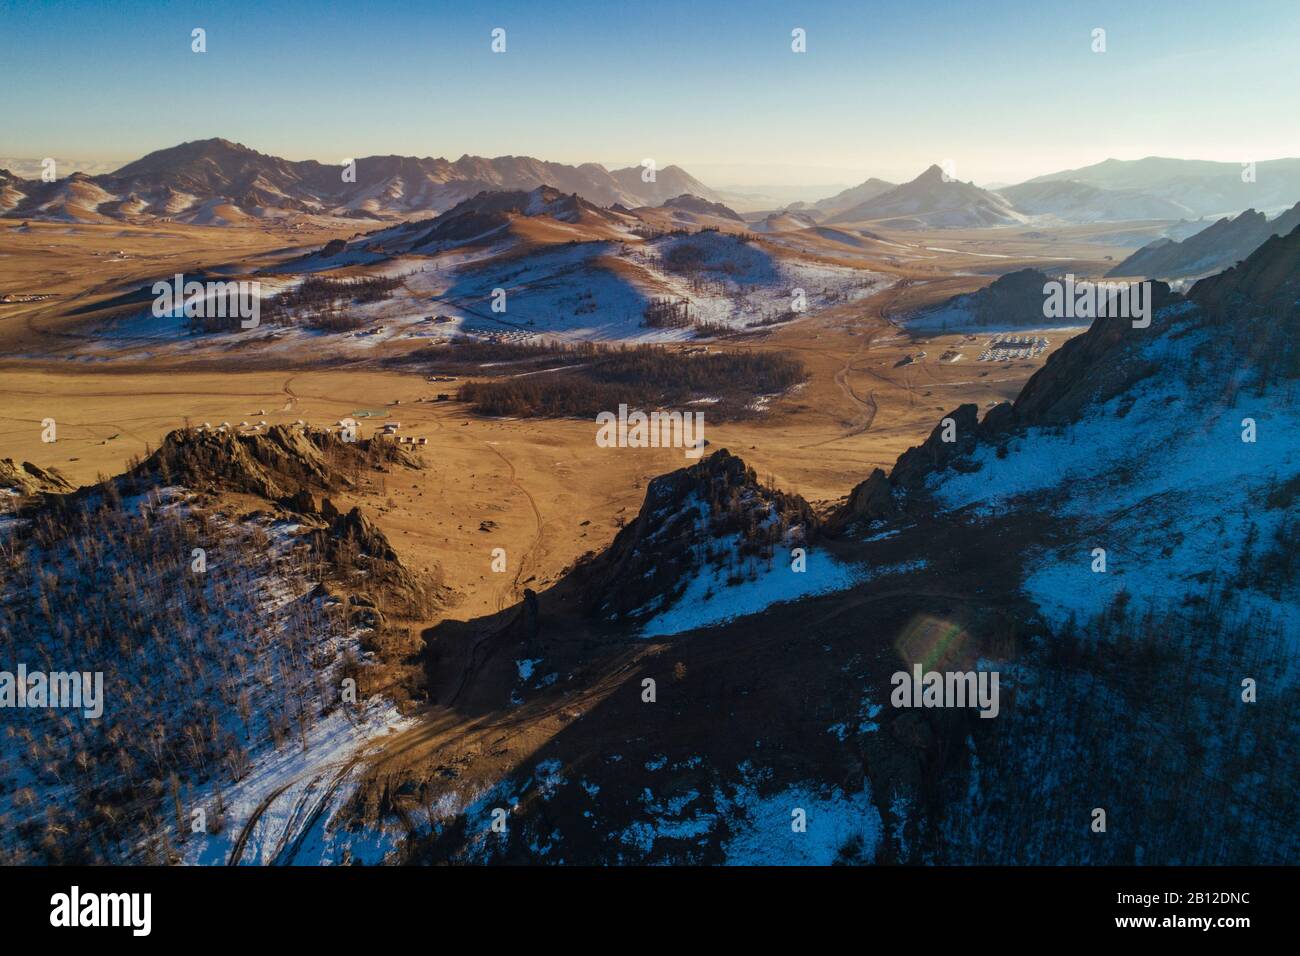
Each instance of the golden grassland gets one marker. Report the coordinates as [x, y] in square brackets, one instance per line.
[547, 492]
[542, 489]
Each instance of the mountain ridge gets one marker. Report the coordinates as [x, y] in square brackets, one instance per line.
[934, 200]
[1218, 246]
[186, 181]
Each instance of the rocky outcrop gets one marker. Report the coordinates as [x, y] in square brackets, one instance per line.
[936, 452]
[286, 464]
[357, 550]
[1267, 282]
[870, 500]
[29, 479]
[1093, 367]
[354, 532]
[273, 464]
[1255, 307]
[1012, 301]
[1103, 362]
[714, 514]
[303, 503]
[276, 464]
[999, 419]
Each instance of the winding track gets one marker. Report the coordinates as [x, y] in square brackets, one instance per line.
[291, 839]
[237, 850]
[867, 407]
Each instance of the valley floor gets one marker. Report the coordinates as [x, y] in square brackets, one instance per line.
[541, 489]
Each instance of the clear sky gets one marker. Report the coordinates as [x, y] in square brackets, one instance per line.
[1005, 89]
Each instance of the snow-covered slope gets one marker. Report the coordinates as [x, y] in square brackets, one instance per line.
[1149, 479]
[230, 654]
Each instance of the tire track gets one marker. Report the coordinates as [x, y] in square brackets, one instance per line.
[513, 592]
[867, 408]
[286, 854]
[285, 841]
[237, 851]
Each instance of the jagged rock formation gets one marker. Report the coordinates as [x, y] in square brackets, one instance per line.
[935, 453]
[29, 479]
[1216, 247]
[871, 500]
[349, 541]
[354, 531]
[285, 465]
[274, 464]
[1094, 366]
[1251, 313]
[1103, 362]
[714, 513]
[1267, 281]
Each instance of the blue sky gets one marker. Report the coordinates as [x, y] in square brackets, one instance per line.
[1006, 90]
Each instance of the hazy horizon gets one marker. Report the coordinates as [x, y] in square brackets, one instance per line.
[806, 183]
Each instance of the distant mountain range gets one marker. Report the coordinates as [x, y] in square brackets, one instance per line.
[933, 200]
[846, 199]
[1216, 247]
[1074, 201]
[215, 181]
[1111, 191]
[1204, 188]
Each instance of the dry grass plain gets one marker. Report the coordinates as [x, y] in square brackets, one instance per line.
[542, 489]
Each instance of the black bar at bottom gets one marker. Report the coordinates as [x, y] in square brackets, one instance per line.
[213, 906]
